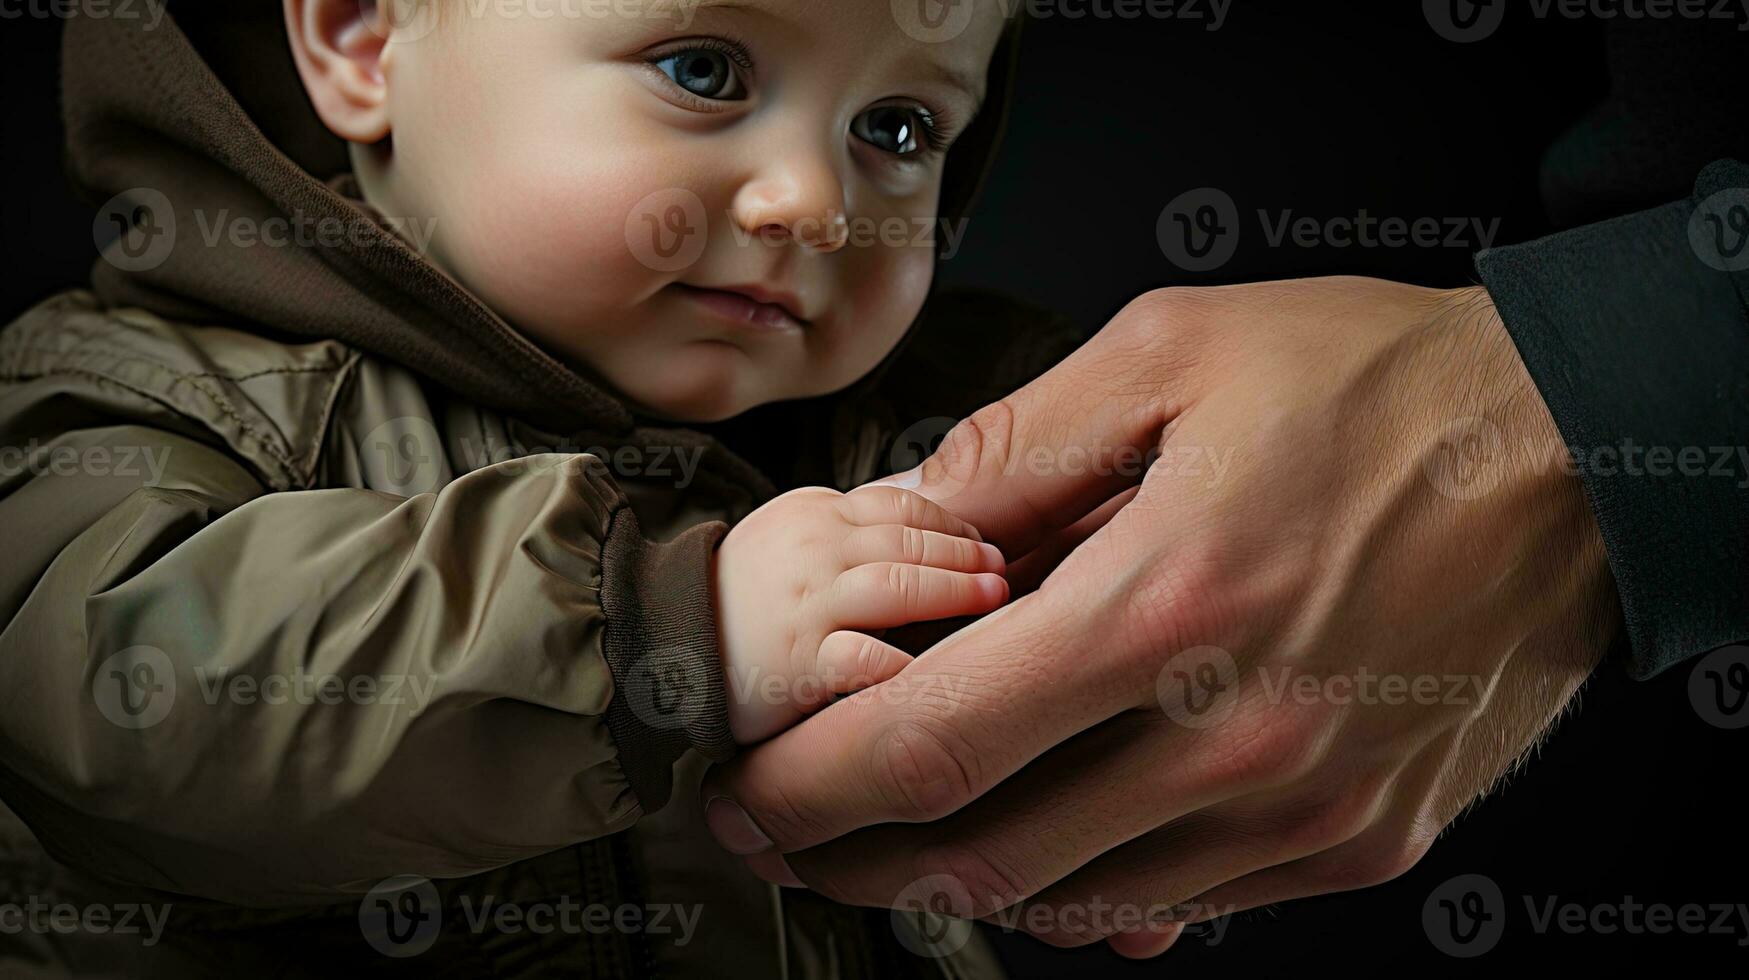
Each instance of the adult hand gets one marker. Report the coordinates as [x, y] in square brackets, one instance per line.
[1354, 587]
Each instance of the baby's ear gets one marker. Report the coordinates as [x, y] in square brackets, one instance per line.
[338, 46]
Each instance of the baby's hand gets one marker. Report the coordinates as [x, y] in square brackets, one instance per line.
[799, 577]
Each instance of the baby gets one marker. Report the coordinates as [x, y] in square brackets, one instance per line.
[536, 147]
[649, 226]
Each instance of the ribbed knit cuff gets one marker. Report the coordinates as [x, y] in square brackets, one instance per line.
[669, 693]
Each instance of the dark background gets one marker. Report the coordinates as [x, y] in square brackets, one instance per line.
[1327, 110]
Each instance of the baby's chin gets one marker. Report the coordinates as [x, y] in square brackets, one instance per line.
[695, 386]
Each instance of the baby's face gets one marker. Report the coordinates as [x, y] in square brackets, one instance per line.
[645, 185]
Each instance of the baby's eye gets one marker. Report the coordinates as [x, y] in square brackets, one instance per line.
[897, 129]
[704, 72]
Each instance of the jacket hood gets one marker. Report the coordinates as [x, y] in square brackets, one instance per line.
[202, 113]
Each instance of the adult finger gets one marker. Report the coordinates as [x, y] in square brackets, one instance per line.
[1026, 572]
[1037, 460]
[1146, 942]
[962, 718]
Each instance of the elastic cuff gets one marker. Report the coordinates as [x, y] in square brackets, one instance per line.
[669, 693]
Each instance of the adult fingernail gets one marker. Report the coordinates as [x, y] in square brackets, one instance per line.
[911, 479]
[733, 828]
[772, 867]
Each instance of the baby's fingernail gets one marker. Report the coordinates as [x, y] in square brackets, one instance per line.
[733, 828]
[993, 559]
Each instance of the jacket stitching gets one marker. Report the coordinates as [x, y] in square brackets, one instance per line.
[344, 374]
[223, 407]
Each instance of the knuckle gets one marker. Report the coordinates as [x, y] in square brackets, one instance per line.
[1174, 607]
[869, 655]
[1326, 823]
[911, 544]
[1174, 326]
[1157, 313]
[785, 820]
[924, 777]
[984, 440]
[966, 553]
[907, 508]
[1376, 865]
[905, 583]
[991, 883]
[1280, 746]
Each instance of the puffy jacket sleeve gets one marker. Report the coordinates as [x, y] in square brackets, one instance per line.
[272, 698]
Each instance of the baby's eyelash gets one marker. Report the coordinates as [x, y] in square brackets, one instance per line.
[939, 129]
[726, 44]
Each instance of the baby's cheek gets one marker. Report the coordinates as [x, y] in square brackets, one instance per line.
[884, 293]
[547, 246]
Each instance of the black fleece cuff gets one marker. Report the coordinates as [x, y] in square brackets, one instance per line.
[661, 645]
[1635, 333]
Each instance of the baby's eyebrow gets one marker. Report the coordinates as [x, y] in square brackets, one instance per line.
[972, 87]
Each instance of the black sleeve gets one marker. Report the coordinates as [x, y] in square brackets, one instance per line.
[1636, 332]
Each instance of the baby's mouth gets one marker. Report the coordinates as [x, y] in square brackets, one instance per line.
[747, 305]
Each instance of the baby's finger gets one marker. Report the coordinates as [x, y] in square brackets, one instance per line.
[915, 546]
[849, 662]
[887, 594]
[873, 505]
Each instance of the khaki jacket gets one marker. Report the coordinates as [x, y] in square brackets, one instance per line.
[342, 627]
